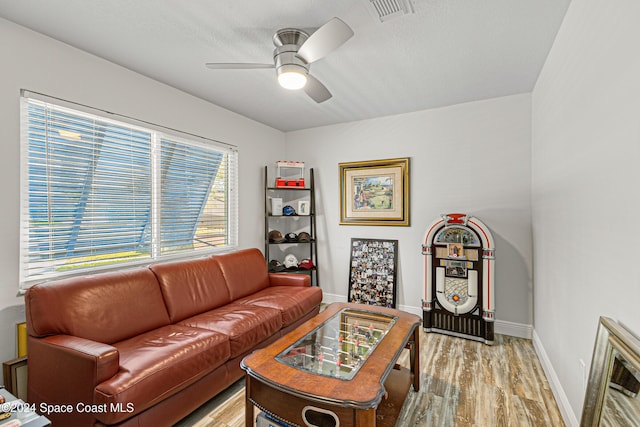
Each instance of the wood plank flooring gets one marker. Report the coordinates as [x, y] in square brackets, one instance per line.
[463, 383]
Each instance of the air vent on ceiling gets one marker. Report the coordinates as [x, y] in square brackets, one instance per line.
[388, 9]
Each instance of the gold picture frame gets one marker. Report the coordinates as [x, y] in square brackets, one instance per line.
[375, 192]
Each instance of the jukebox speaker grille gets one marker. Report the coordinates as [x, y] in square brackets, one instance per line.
[461, 325]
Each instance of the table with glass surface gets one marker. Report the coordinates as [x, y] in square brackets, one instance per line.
[339, 368]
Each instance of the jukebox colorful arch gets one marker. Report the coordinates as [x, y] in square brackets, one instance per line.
[459, 271]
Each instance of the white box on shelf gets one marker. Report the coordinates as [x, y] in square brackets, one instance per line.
[276, 206]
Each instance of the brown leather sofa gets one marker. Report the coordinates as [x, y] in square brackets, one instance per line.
[145, 347]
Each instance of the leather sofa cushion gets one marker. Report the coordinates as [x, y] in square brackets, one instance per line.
[158, 364]
[106, 307]
[245, 272]
[293, 303]
[246, 326]
[191, 287]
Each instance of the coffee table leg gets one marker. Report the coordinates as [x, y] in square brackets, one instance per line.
[366, 418]
[248, 406]
[414, 358]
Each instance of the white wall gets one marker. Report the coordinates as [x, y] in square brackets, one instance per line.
[585, 176]
[471, 158]
[40, 64]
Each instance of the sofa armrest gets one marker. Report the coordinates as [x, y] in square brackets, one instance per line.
[63, 365]
[285, 279]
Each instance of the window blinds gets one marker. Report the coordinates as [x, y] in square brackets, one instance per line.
[97, 193]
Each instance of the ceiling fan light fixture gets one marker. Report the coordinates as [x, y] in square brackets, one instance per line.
[292, 77]
[294, 51]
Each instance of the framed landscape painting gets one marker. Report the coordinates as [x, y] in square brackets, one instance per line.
[375, 192]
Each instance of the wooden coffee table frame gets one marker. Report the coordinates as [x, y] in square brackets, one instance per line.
[284, 391]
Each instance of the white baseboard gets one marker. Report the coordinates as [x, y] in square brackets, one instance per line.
[519, 330]
[501, 327]
[568, 415]
[331, 298]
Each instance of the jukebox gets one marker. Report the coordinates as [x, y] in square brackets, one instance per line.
[459, 272]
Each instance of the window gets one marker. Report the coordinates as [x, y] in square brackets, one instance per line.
[98, 192]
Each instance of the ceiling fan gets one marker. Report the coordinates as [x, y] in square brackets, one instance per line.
[295, 51]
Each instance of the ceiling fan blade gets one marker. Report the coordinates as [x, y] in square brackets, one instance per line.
[316, 90]
[325, 39]
[236, 66]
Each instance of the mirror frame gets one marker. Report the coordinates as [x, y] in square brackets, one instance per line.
[611, 337]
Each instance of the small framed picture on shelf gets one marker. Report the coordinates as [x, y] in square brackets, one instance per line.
[304, 207]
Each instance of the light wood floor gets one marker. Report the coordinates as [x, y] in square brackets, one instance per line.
[464, 383]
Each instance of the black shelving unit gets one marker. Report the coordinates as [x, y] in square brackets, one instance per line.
[291, 224]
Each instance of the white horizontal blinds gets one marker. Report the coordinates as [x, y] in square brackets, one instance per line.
[232, 197]
[88, 195]
[93, 197]
[194, 196]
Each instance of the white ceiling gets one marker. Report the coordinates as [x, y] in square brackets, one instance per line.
[447, 52]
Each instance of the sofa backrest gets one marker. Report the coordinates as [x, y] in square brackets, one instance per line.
[245, 272]
[105, 307]
[191, 287]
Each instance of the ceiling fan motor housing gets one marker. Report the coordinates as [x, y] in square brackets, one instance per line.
[287, 42]
[288, 60]
[287, 36]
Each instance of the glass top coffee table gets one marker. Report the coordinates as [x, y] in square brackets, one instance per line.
[339, 368]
